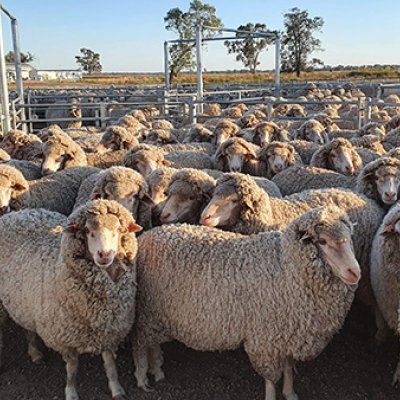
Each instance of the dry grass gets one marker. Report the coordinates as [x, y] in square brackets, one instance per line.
[222, 78]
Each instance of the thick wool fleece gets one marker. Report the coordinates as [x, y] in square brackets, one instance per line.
[298, 178]
[28, 169]
[53, 288]
[227, 297]
[57, 192]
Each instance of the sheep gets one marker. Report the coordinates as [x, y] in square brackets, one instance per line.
[237, 155]
[393, 123]
[22, 146]
[132, 125]
[198, 133]
[116, 138]
[189, 190]
[123, 185]
[304, 177]
[162, 124]
[203, 147]
[384, 272]
[338, 155]
[223, 131]
[268, 131]
[61, 152]
[55, 193]
[312, 131]
[305, 149]
[29, 170]
[160, 137]
[146, 158]
[232, 112]
[228, 295]
[70, 111]
[395, 153]
[276, 157]
[4, 156]
[248, 121]
[90, 141]
[77, 289]
[392, 139]
[380, 180]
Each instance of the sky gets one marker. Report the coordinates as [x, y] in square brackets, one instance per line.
[129, 34]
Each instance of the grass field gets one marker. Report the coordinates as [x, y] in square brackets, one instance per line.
[224, 78]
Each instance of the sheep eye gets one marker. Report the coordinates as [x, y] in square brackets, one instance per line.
[191, 198]
[86, 230]
[322, 242]
[234, 201]
[92, 235]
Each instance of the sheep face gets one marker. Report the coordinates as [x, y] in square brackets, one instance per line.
[233, 156]
[341, 159]
[221, 210]
[54, 159]
[180, 204]
[312, 131]
[8, 145]
[333, 239]
[387, 183]
[279, 159]
[146, 166]
[128, 200]
[223, 131]
[9, 190]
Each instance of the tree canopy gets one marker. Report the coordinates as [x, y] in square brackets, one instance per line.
[298, 41]
[89, 61]
[25, 57]
[184, 25]
[248, 48]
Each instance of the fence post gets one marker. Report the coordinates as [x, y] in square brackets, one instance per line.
[359, 113]
[199, 62]
[367, 114]
[103, 115]
[5, 104]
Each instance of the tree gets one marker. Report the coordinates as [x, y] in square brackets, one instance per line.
[25, 58]
[89, 61]
[298, 41]
[248, 49]
[184, 25]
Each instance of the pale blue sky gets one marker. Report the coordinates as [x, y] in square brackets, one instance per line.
[129, 35]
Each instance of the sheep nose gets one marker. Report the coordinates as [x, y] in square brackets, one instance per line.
[390, 195]
[235, 169]
[278, 167]
[263, 144]
[349, 169]
[104, 254]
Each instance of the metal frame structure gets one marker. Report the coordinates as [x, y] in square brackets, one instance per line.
[5, 103]
[199, 62]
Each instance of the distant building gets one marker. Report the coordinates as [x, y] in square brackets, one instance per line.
[29, 72]
[58, 74]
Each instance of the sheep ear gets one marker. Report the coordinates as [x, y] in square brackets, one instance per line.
[250, 157]
[76, 112]
[388, 229]
[166, 163]
[134, 227]
[95, 196]
[147, 199]
[249, 203]
[19, 187]
[73, 228]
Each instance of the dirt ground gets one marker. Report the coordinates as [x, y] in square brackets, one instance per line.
[352, 367]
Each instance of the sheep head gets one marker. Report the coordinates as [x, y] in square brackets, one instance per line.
[223, 131]
[101, 231]
[312, 131]
[116, 138]
[12, 186]
[277, 156]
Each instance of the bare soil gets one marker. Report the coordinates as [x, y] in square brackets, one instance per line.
[352, 367]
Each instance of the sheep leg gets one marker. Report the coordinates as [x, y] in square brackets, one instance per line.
[270, 393]
[71, 359]
[288, 390]
[141, 361]
[34, 353]
[117, 391]
[156, 361]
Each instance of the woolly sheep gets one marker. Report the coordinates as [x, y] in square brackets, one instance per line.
[304, 177]
[276, 157]
[312, 131]
[56, 192]
[384, 272]
[232, 286]
[76, 290]
[71, 111]
[160, 137]
[305, 149]
[223, 131]
[338, 155]
[132, 125]
[392, 139]
[380, 180]
[237, 155]
[189, 190]
[123, 185]
[268, 131]
[29, 170]
[162, 124]
[393, 123]
[204, 147]
[4, 156]
[198, 133]
[22, 146]
[116, 138]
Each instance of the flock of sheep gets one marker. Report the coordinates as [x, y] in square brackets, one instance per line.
[256, 233]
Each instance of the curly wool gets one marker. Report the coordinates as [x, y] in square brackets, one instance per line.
[199, 133]
[384, 268]
[366, 182]
[29, 170]
[232, 286]
[143, 152]
[119, 182]
[237, 146]
[25, 146]
[160, 137]
[276, 133]
[106, 160]
[305, 149]
[304, 177]
[4, 156]
[321, 158]
[118, 138]
[276, 148]
[64, 296]
[393, 123]
[56, 192]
